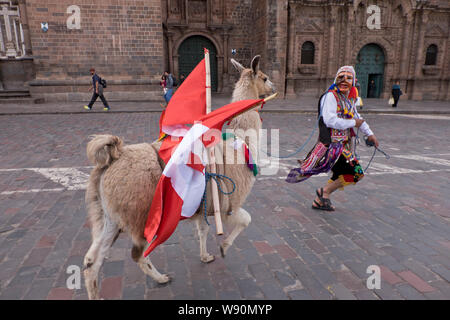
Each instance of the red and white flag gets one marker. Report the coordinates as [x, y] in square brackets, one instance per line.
[180, 189]
[188, 104]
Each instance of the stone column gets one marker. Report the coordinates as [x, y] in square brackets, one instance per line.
[26, 30]
[418, 78]
[332, 18]
[175, 63]
[348, 42]
[410, 82]
[407, 35]
[291, 58]
[226, 51]
[420, 47]
[170, 49]
[445, 73]
[277, 24]
[220, 68]
[324, 56]
[10, 47]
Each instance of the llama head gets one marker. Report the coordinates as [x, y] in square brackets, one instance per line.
[253, 80]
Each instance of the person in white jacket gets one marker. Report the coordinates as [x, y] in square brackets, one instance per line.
[334, 148]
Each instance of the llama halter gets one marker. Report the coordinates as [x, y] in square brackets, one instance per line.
[238, 143]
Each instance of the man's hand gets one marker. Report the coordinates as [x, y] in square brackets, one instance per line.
[359, 122]
[373, 139]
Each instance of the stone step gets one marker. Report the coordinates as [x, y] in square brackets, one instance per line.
[16, 97]
[9, 94]
[25, 100]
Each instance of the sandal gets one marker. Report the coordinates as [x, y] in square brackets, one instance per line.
[326, 206]
[320, 194]
[326, 203]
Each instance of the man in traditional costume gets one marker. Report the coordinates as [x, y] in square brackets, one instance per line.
[334, 149]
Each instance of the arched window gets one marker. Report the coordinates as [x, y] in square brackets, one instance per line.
[307, 53]
[431, 57]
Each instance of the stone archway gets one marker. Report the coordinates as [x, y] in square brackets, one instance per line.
[370, 65]
[190, 53]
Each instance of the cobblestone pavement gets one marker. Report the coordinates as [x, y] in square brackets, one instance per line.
[396, 218]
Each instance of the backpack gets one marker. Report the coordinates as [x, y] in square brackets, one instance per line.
[103, 82]
[324, 132]
[175, 82]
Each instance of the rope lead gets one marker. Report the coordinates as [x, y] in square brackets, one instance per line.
[216, 177]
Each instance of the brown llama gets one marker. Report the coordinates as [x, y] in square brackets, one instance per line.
[121, 186]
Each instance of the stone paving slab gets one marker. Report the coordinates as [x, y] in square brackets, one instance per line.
[393, 219]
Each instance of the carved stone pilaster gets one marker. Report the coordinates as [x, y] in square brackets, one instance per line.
[332, 18]
[406, 44]
[170, 49]
[419, 59]
[26, 30]
[226, 50]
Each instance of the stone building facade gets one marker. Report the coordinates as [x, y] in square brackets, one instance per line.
[48, 46]
[400, 48]
[123, 40]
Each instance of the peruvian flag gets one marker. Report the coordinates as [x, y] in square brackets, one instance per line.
[180, 189]
[188, 104]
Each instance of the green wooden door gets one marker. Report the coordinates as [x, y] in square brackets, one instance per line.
[190, 53]
[370, 66]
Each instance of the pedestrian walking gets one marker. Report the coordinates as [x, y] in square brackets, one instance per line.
[182, 77]
[359, 101]
[97, 86]
[334, 149]
[372, 88]
[163, 83]
[396, 93]
[169, 86]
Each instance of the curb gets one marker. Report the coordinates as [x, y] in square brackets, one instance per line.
[366, 112]
[408, 112]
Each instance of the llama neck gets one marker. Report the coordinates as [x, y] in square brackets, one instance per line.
[244, 90]
[249, 123]
[247, 127]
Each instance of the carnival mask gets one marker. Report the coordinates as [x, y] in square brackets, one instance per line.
[344, 77]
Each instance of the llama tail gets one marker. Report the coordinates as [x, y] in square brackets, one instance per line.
[104, 149]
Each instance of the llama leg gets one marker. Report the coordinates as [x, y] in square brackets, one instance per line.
[149, 269]
[95, 214]
[240, 219]
[144, 263]
[106, 239]
[202, 229]
[89, 258]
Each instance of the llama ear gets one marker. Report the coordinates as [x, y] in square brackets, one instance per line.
[255, 64]
[239, 67]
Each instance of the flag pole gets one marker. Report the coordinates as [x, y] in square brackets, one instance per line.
[212, 158]
[271, 97]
